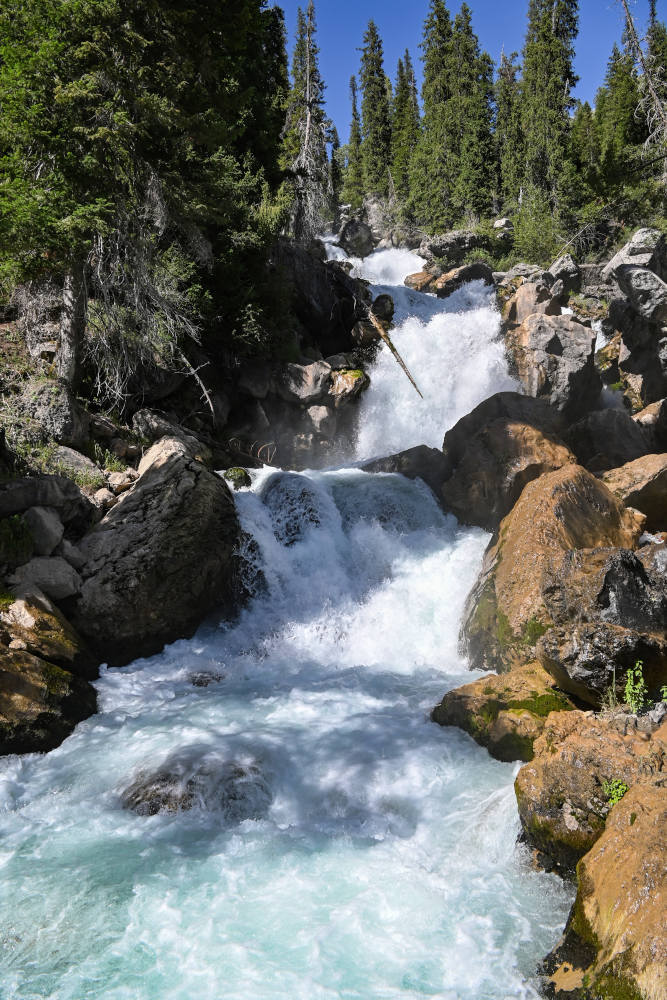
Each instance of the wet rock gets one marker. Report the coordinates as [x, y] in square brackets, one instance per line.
[642, 484]
[159, 560]
[451, 281]
[606, 439]
[383, 308]
[510, 406]
[303, 383]
[45, 527]
[356, 238]
[53, 575]
[421, 281]
[40, 703]
[554, 358]
[451, 248]
[561, 795]
[614, 943]
[52, 405]
[364, 332]
[238, 477]
[499, 460]
[506, 613]
[347, 385]
[504, 713]
[420, 462]
[293, 505]
[238, 790]
[32, 621]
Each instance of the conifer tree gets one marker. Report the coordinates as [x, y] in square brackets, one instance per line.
[619, 126]
[584, 153]
[405, 126]
[429, 178]
[508, 133]
[335, 175]
[375, 115]
[306, 131]
[548, 78]
[353, 181]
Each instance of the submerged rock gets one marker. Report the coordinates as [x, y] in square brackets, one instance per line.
[161, 559]
[420, 462]
[356, 238]
[293, 505]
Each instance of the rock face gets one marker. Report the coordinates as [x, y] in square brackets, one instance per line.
[564, 269]
[356, 238]
[615, 943]
[560, 793]
[531, 298]
[160, 559]
[32, 623]
[500, 459]
[643, 484]
[504, 712]
[554, 358]
[451, 248]
[647, 248]
[52, 405]
[40, 703]
[562, 511]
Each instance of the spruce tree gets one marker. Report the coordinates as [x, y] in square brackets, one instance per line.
[584, 153]
[306, 131]
[353, 181]
[548, 78]
[429, 178]
[619, 127]
[508, 133]
[375, 115]
[335, 175]
[405, 126]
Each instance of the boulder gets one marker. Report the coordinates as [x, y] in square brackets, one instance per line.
[614, 943]
[364, 332]
[561, 793]
[506, 613]
[605, 439]
[647, 248]
[323, 420]
[646, 291]
[51, 403]
[554, 358]
[347, 385]
[420, 462]
[45, 527]
[33, 623]
[54, 575]
[238, 478]
[153, 425]
[451, 281]
[499, 460]
[73, 463]
[421, 281]
[305, 384]
[642, 484]
[161, 559]
[509, 406]
[564, 269]
[504, 712]
[451, 248]
[40, 703]
[609, 608]
[121, 481]
[356, 238]
[18, 495]
[383, 308]
[530, 298]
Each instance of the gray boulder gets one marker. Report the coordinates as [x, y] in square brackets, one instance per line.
[45, 527]
[565, 269]
[303, 383]
[356, 238]
[554, 358]
[647, 248]
[73, 507]
[161, 559]
[323, 420]
[52, 405]
[451, 248]
[420, 462]
[53, 575]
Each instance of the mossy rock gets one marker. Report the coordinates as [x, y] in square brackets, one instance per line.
[238, 477]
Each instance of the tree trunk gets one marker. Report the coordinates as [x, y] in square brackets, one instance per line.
[72, 325]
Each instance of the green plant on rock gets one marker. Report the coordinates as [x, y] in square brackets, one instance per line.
[614, 790]
[636, 694]
[663, 692]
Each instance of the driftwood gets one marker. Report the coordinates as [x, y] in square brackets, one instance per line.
[388, 341]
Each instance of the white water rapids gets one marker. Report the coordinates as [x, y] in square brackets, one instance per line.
[365, 853]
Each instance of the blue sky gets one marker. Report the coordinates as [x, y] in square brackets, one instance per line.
[498, 23]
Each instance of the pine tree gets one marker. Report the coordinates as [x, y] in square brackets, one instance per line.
[584, 153]
[335, 175]
[548, 78]
[353, 181]
[375, 115]
[469, 121]
[429, 178]
[306, 132]
[405, 126]
[508, 134]
[618, 125]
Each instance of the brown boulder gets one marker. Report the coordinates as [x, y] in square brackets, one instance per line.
[31, 622]
[499, 461]
[615, 942]
[530, 298]
[40, 703]
[563, 793]
[511, 406]
[421, 281]
[451, 281]
[504, 712]
[643, 484]
[506, 613]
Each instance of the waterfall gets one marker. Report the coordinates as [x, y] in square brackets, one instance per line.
[338, 844]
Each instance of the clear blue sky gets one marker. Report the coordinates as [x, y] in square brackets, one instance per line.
[498, 23]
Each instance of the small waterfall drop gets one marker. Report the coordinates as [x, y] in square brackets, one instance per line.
[328, 841]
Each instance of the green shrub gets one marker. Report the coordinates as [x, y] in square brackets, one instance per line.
[636, 694]
[614, 790]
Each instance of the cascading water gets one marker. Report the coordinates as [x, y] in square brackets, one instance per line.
[337, 844]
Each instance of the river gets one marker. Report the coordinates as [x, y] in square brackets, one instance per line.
[341, 845]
